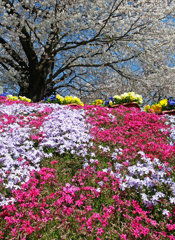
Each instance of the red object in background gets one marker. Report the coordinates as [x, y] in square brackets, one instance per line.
[128, 105]
[169, 112]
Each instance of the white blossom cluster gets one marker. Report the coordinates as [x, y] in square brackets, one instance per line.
[64, 129]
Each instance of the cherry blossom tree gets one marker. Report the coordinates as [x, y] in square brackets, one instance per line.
[53, 46]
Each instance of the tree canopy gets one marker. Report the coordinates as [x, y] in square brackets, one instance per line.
[49, 46]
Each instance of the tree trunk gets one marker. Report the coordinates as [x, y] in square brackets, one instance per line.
[36, 93]
[23, 88]
[36, 87]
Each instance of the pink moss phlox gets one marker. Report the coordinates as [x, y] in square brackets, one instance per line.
[131, 129]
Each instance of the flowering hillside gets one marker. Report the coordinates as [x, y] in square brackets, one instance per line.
[85, 172]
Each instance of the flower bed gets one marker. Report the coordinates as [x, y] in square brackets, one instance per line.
[123, 98]
[68, 100]
[97, 102]
[165, 106]
[85, 172]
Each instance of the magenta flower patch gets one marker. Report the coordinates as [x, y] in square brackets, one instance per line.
[85, 172]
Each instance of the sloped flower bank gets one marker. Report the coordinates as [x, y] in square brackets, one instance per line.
[86, 172]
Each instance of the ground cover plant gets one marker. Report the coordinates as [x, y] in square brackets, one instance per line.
[85, 172]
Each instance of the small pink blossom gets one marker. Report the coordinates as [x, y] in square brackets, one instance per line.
[100, 231]
[53, 162]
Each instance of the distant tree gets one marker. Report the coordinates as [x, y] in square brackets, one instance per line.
[52, 46]
[153, 86]
[106, 83]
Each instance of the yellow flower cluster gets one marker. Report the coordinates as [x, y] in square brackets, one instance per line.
[130, 95]
[10, 97]
[73, 99]
[60, 98]
[24, 99]
[15, 98]
[157, 107]
[69, 99]
[97, 102]
[164, 102]
[110, 103]
[117, 97]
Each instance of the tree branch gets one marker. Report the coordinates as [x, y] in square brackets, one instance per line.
[25, 41]
[13, 54]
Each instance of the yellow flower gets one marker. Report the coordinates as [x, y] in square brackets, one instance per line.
[24, 99]
[110, 103]
[73, 99]
[14, 98]
[76, 99]
[123, 96]
[60, 98]
[164, 102]
[28, 99]
[68, 99]
[131, 93]
[10, 97]
[117, 96]
[147, 107]
[140, 100]
[98, 102]
[132, 98]
[156, 108]
[138, 97]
